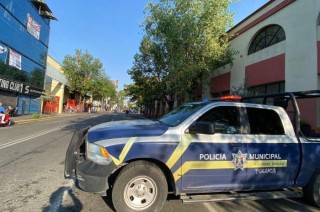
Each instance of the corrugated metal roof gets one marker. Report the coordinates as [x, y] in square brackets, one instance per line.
[43, 9]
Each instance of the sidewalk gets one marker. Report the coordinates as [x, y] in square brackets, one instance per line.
[21, 119]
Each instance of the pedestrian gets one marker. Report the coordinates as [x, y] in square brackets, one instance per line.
[2, 113]
[65, 109]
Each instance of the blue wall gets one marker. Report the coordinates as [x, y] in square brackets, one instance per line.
[15, 36]
[28, 104]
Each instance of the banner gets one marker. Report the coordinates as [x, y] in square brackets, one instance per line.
[33, 27]
[3, 53]
[14, 59]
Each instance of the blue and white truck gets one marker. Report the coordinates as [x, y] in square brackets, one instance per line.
[225, 149]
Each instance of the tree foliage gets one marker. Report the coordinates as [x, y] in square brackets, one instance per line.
[242, 90]
[86, 75]
[147, 73]
[121, 98]
[183, 40]
[102, 87]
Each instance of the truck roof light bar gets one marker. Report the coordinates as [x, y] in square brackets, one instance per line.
[231, 98]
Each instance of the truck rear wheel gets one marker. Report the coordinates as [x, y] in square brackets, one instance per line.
[311, 191]
[140, 186]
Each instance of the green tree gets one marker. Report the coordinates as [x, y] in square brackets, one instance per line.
[81, 69]
[147, 72]
[101, 87]
[121, 97]
[183, 40]
[242, 90]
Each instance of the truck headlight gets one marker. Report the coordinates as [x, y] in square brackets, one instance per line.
[98, 154]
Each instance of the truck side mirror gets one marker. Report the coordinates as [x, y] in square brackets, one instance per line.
[202, 127]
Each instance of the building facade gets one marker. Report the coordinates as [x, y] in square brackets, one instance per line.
[24, 39]
[277, 48]
[56, 86]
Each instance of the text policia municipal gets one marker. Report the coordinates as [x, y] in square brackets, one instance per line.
[250, 157]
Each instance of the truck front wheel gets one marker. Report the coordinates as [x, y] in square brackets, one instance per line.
[311, 191]
[140, 186]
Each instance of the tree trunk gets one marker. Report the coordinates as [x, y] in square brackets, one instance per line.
[171, 105]
[170, 99]
[80, 100]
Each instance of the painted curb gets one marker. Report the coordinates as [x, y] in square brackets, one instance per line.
[25, 121]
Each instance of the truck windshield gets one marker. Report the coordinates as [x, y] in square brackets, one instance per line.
[179, 114]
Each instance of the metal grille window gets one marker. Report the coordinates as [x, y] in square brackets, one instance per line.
[268, 36]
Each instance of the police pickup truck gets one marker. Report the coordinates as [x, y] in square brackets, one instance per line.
[227, 149]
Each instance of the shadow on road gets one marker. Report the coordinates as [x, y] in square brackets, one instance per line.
[56, 200]
[108, 201]
[294, 204]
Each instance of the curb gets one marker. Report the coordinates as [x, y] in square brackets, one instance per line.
[25, 121]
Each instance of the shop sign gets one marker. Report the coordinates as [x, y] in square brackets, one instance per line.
[33, 27]
[19, 87]
[14, 59]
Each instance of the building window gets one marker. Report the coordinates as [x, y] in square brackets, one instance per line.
[48, 84]
[266, 37]
[219, 94]
[268, 88]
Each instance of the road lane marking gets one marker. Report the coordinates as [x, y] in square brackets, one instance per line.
[5, 145]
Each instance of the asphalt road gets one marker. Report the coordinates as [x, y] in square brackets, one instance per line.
[31, 172]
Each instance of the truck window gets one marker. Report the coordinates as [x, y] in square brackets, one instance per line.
[225, 119]
[179, 114]
[264, 121]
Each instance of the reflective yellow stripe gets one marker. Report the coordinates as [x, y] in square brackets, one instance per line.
[205, 165]
[180, 149]
[124, 151]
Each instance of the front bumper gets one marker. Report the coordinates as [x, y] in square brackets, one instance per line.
[90, 177]
[93, 177]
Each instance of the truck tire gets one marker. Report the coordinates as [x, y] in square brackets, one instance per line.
[311, 191]
[140, 186]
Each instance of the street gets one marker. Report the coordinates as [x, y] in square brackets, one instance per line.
[32, 165]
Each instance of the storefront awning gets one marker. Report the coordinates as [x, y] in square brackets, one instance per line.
[43, 9]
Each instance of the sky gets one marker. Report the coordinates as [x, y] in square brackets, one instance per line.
[109, 30]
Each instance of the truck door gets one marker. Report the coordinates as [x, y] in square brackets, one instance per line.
[273, 156]
[207, 162]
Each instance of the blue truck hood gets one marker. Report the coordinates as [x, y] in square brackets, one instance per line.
[123, 129]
